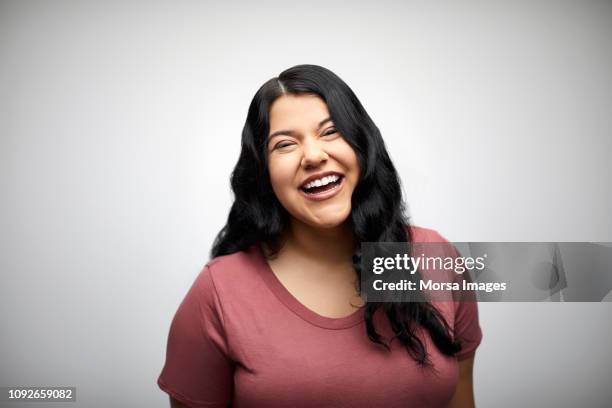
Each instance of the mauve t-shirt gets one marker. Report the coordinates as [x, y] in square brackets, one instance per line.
[241, 339]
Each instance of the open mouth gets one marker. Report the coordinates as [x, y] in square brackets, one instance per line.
[321, 186]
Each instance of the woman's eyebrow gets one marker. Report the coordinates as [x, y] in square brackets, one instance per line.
[292, 132]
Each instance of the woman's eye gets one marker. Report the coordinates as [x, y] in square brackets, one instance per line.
[330, 132]
[282, 144]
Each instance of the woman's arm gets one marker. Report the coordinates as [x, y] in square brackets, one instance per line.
[464, 394]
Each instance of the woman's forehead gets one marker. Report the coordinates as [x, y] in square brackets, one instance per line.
[297, 111]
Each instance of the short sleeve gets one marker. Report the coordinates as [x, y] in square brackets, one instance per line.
[467, 328]
[198, 370]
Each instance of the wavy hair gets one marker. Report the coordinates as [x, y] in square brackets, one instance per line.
[378, 209]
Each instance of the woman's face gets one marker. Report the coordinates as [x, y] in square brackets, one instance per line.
[313, 170]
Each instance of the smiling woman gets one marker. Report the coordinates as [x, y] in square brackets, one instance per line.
[276, 318]
[311, 163]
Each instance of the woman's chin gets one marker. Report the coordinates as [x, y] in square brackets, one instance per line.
[327, 222]
[328, 225]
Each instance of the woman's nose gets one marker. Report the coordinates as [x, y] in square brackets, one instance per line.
[313, 154]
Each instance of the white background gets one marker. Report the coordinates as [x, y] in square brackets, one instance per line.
[120, 124]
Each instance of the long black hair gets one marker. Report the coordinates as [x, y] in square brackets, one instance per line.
[378, 209]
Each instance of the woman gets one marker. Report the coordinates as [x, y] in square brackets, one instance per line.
[276, 319]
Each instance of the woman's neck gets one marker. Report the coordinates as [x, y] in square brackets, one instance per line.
[328, 245]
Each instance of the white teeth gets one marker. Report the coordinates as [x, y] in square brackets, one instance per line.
[322, 181]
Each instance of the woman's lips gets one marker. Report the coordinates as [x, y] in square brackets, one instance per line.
[324, 195]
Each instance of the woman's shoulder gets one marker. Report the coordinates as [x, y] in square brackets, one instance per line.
[240, 259]
[236, 270]
[422, 234]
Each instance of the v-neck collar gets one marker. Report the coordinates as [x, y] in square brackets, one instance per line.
[295, 305]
